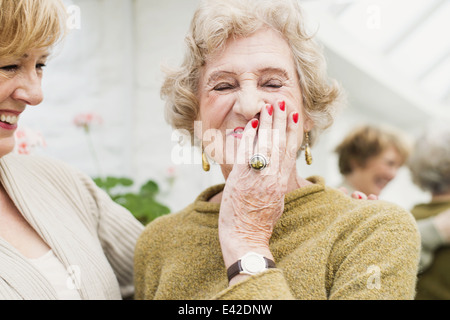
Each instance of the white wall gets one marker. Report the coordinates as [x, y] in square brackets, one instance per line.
[112, 66]
[92, 71]
[160, 30]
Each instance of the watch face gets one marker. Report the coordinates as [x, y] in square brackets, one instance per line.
[253, 263]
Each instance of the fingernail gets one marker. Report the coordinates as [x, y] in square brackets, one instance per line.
[269, 108]
[295, 117]
[255, 123]
[282, 105]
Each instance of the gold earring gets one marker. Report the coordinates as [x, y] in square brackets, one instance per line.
[308, 156]
[205, 162]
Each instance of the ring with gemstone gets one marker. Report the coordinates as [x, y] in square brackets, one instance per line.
[258, 162]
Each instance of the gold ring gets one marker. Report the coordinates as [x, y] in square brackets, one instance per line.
[258, 162]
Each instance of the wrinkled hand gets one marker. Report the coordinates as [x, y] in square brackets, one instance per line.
[253, 201]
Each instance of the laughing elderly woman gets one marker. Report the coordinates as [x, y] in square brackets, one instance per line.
[255, 81]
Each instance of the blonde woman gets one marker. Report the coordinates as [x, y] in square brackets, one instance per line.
[370, 157]
[256, 84]
[61, 237]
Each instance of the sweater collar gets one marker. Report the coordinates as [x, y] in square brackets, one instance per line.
[202, 205]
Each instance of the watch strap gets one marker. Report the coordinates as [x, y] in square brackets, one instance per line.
[236, 268]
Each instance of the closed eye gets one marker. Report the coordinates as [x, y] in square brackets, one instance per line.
[15, 67]
[10, 68]
[223, 86]
[273, 84]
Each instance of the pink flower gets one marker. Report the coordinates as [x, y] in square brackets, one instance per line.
[20, 134]
[28, 139]
[86, 120]
[171, 175]
[23, 148]
[171, 172]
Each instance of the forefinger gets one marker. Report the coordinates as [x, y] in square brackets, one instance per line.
[245, 149]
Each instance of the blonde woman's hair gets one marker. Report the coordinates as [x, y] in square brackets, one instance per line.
[30, 24]
[367, 141]
[214, 22]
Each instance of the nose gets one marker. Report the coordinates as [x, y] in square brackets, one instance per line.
[29, 89]
[249, 103]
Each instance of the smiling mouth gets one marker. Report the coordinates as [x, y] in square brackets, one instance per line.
[9, 119]
[381, 182]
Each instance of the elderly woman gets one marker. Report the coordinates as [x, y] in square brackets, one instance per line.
[369, 158]
[61, 237]
[430, 170]
[255, 82]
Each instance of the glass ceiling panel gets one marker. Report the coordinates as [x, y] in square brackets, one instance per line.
[412, 36]
[428, 44]
[437, 83]
[376, 24]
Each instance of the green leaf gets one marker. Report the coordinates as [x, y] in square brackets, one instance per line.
[142, 205]
[99, 182]
[125, 182]
[149, 189]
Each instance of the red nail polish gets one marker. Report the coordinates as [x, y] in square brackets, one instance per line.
[255, 123]
[269, 108]
[295, 117]
[282, 105]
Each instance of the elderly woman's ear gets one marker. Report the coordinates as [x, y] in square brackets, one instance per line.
[308, 124]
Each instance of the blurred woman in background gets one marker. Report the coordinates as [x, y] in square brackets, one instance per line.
[430, 170]
[369, 158]
[61, 237]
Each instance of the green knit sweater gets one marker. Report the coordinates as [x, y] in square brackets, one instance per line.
[326, 246]
[434, 282]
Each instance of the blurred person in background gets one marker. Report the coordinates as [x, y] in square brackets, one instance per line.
[429, 164]
[61, 237]
[255, 79]
[369, 158]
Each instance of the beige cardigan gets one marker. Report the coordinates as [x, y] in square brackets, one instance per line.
[89, 233]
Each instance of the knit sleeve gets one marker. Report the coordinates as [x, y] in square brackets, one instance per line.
[379, 258]
[147, 262]
[431, 240]
[118, 231]
[269, 285]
